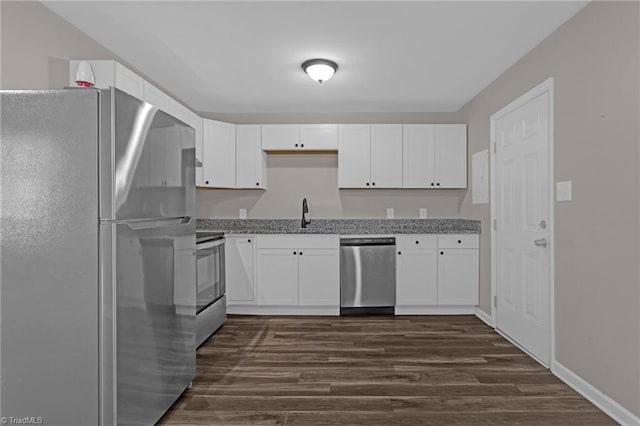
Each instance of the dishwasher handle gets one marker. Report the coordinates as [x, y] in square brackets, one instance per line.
[359, 242]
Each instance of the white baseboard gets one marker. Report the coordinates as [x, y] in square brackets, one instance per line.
[485, 317]
[610, 407]
[434, 310]
[282, 310]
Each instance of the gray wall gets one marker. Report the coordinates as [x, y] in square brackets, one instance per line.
[36, 45]
[593, 59]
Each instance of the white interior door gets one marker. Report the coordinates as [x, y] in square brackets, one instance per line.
[522, 212]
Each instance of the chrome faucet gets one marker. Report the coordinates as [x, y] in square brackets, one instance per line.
[305, 213]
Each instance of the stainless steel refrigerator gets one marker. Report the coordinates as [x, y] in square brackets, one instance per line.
[97, 289]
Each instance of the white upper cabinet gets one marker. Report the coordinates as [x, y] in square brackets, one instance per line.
[251, 161]
[280, 137]
[419, 145]
[386, 156]
[354, 156]
[451, 156]
[111, 73]
[370, 156]
[435, 156]
[304, 137]
[318, 137]
[219, 154]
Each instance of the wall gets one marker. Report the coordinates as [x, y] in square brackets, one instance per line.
[594, 60]
[36, 45]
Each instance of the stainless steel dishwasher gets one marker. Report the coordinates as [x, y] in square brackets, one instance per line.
[367, 275]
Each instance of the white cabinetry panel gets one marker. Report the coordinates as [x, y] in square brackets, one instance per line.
[386, 156]
[451, 156]
[458, 271]
[251, 161]
[280, 137]
[319, 277]
[416, 277]
[354, 156]
[239, 267]
[419, 144]
[319, 137]
[277, 277]
[219, 152]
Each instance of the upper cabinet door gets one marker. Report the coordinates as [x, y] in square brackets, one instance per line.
[451, 156]
[418, 151]
[354, 156]
[250, 159]
[280, 137]
[319, 137]
[386, 156]
[219, 149]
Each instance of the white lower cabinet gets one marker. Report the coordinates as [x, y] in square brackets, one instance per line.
[319, 277]
[416, 277]
[436, 272]
[277, 277]
[298, 271]
[239, 268]
[458, 276]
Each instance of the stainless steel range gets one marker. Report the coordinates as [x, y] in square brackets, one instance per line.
[211, 301]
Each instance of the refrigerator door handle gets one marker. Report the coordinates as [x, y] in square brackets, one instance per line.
[154, 223]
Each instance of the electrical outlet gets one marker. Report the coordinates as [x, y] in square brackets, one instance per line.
[242, 213]
[423, 213]
[391, 213]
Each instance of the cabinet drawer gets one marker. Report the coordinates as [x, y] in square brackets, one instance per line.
[298, 241]
[416, 241]
[466, 241]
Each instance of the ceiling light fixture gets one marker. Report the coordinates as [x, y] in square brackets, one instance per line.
[319, 69]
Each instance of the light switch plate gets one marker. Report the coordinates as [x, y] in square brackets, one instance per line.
[423, 213]
[563, 191]
[391, 213]
[242, 213]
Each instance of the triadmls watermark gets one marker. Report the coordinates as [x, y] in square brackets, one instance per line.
[26, 420]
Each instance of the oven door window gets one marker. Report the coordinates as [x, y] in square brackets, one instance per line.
[210, 274]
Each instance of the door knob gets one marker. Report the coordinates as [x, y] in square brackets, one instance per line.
[542, 242]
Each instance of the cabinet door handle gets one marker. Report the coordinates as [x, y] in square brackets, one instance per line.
[399, 252]
[438, 184]
[257, 183]
[301, 145]
[374, 184]
[207, 182]
[248, 241]
[367, 183]
[296, 145]
[441, 252]
[300, 253]
[459, 241]
[294, 253]
[417, 242]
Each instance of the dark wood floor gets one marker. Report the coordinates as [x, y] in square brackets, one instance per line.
[428, 370]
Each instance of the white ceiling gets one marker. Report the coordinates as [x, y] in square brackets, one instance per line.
[393, 56]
